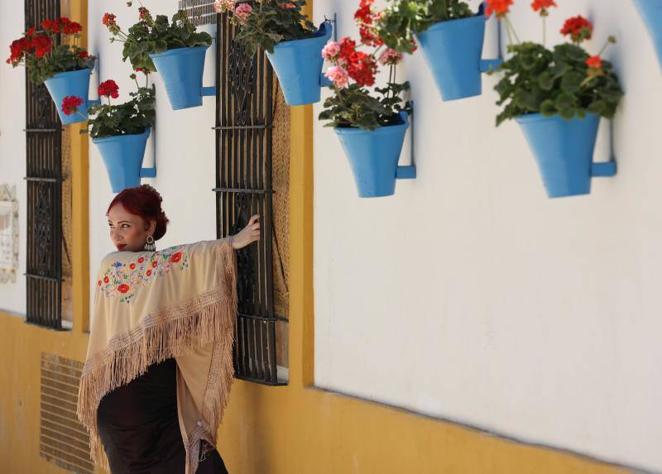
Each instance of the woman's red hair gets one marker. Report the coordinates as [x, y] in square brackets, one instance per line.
[143, 201]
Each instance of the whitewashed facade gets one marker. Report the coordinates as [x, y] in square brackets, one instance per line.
[471, 296]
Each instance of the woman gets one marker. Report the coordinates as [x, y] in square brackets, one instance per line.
[159, 362]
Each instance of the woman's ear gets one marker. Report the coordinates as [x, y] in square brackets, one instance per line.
[151, 227]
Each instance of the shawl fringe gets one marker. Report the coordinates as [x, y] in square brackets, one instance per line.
[209, 317]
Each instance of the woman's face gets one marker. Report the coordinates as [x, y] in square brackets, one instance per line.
[128, 232]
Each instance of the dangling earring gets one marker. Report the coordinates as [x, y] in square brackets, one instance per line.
[149, 245]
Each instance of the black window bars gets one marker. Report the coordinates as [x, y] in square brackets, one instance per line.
[244, 133]
[43, 132]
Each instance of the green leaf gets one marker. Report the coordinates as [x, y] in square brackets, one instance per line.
[547, 108]
[546, 81]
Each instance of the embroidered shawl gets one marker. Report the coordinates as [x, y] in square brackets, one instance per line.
[150, 306]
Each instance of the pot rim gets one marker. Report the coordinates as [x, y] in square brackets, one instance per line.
[440, 24]
[116, 137]
[538, 117]
[87, 70]
[382, 129]
[320, 34]
[178, 51]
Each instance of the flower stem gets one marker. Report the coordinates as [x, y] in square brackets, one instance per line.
[544, 30]
[610, 40]
[510, 29]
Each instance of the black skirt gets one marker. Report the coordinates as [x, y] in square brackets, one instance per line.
[139, 427]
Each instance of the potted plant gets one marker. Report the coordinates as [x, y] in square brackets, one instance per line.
[558, 96]
[173, 48]
[291, 42]
[451, 36]
[371, 123]
[651, 12]
[120, 131]
[52, 57]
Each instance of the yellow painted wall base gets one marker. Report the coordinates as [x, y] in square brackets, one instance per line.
[21, 346]
[278, 430]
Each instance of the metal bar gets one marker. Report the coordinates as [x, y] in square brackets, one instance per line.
[41, 277]
[272, 382]
[241, 191]
[42, 180]
[262, 318]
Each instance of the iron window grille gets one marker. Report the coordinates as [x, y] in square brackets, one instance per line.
[44, 192]
[244, 126]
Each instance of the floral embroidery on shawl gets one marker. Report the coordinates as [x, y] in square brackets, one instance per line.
[123, 278]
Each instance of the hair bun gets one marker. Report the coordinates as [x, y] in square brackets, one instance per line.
[144, 201]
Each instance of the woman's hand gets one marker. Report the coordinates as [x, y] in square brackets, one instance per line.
[247, 235]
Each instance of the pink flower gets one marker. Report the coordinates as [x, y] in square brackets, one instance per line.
[287, 6]
[331, 50]
[390, 57]
[222, 6]
[339, 76]
[242, 12]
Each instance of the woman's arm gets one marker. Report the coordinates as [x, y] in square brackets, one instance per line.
[247, 235]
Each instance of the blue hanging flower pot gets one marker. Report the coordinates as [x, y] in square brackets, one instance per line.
[373, 156]
[651, 12]
[181, 70]
[564, 152]
[453, 50]
[298, 65]
[70, 83]
[123, 157]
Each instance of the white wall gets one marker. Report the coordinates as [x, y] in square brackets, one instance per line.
[12, 145]
[184, 144]
[470, 295]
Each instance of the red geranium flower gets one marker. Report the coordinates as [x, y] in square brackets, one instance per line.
[42, 44]
[579, 29]
[83, 54]
[369, 37]
[109, 19]
[347, 47]
[594, 62]
[360, 66]
[364, 13]
[70, 104]
[69, 27]
[17, 49]
[123, 288]
[176, 257]
[62, 25]
[542, 6]
[366, 19]
[51, 25]
[109, 88]
[500, 7]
